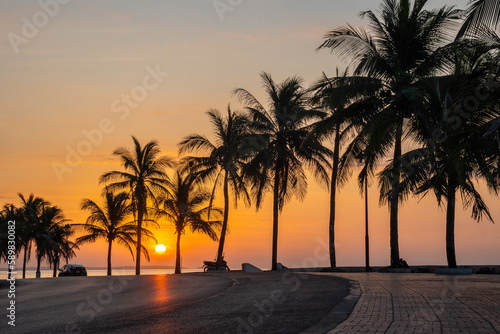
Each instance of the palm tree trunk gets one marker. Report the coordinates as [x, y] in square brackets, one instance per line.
[222, 239]
[38, 261]
[367, 237]
[56, 266]
[450, 227]
[274, 265]
[394, 198]
[110, 242]
[140, 214]
[333, 192]
[178, 254]
[25, 257]
[8, 269]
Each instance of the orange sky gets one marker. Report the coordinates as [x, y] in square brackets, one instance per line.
[74, 75]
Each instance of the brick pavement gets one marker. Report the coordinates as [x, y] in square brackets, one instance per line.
[424, 303]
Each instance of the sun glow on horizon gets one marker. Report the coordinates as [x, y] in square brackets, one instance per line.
[160, 249]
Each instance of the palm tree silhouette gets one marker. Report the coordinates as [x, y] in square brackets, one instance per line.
[480, 14]
[282, 146]
[110, 223]
[61, 246]
[224, 157]
[144, 177]
[51, 218]
[399, 46]
[347, 109]
[186, 207]
[9, 213]
[452, 157]
[30, 212]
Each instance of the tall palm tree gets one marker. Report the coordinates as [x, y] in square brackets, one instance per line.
[110, 223]
[144, 177]
[453, 134]
[399, 46]
[282, 146]
[224, 159]
[30, 210]
[347, 109]
[186, 207]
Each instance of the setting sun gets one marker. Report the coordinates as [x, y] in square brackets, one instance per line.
[160, 249]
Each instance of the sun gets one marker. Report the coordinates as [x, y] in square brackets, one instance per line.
[160, 249]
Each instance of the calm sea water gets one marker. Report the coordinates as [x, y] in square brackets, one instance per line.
[99, 272]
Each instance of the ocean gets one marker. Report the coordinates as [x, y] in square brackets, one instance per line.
[98, 272]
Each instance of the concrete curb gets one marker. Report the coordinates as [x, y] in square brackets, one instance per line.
[339, 313]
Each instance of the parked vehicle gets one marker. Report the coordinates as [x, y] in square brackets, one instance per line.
[72, 270]
[214, 265]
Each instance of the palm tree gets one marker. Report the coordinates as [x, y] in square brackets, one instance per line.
[51, 219]
[347, 109]
[480, 14]
[400, 46]
[30, 212]
[61, 246]
[9, 213]
[452, 158]
[185, 206]
[225, 157]
[110, 223]
[282, 146]
[144, 177]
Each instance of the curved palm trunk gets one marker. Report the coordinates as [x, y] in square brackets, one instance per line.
[333, 192]
[394, 199]
[450, 227]
[222, 239]
[140, 214]
[274, 265]
[178, 254]
[110, 242]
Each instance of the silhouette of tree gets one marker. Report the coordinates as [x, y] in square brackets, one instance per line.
[144, 177]
[283, 146]
[399, 46]
[110, 223]
[224, 159]
[186, 207]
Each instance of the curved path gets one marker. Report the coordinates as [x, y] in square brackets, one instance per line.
[189, 303]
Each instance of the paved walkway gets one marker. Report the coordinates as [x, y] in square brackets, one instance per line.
[424, 303]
